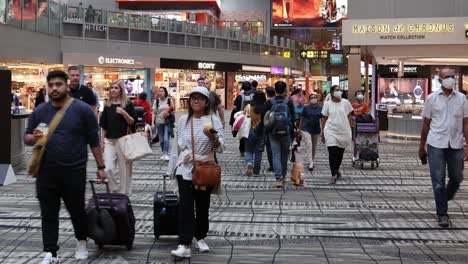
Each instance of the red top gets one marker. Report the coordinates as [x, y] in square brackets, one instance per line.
[360, 109]
[146, 105]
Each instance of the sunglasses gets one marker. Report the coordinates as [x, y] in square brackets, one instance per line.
[198, 98]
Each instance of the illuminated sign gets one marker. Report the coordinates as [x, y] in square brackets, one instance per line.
[403, 28]
[314, 54]
[107, 60]
[408, 69]
[287, 54]
[206, 66]
[249, 78]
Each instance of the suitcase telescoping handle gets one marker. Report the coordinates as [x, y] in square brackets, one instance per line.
[96, 200]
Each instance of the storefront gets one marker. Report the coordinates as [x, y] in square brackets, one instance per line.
[27, 80]
[180, 76]
[102, 69]
[408, 55]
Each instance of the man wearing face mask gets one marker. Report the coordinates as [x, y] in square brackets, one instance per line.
[445, 124]
[359, 106]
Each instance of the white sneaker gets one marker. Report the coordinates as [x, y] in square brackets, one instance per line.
[202, 246]
[48, 259]
[167, 158]
[81, 251]
[182, 252]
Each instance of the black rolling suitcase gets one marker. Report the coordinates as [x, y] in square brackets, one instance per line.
[109, 212]
[166, 206]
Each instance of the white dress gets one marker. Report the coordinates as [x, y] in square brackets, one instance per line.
[337, 130]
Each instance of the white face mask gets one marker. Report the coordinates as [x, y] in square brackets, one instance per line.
[338, 94]
[448, 83]
[313, 101]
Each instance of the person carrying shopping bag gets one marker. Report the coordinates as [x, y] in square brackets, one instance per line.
[255, 143]
[199, 134]
[117, 120]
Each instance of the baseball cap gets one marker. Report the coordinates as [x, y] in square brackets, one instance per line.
[201, 90]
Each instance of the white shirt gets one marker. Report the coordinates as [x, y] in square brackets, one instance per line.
[337, 131]
[446, 114]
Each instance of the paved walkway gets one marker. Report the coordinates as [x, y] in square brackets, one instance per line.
[371, 216]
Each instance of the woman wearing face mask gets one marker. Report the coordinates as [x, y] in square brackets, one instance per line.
[359, 106]
[310, 127]
[337, 129]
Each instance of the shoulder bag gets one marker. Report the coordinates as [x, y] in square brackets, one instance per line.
[134, 146]
[39, 148]
[206, 174]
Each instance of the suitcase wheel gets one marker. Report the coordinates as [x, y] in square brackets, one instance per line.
[362, 166]
[372, 165]
[129, 247]
[100, 246]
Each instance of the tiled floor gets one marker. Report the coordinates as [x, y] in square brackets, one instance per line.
[371, 216]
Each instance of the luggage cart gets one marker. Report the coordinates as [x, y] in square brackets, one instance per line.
[366, 136]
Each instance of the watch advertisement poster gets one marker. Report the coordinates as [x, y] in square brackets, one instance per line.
[398, 91]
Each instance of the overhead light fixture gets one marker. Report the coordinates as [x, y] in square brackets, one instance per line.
[441, 60]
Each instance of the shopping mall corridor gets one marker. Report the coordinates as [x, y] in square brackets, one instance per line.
[371, 216]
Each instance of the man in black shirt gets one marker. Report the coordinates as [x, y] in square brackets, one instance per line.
[78, 91]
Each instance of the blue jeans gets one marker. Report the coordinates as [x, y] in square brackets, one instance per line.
[280, 152]
[163, 133]
[439, 161]
[254, 147]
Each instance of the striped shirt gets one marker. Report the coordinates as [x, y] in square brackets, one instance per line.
[203, 145]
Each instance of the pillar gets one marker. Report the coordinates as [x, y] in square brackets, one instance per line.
[82, 75]
[149, 82]
[354, 72]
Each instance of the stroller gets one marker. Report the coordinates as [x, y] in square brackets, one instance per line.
[366, 138]
[140, 123]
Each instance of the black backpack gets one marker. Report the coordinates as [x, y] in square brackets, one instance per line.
[364, 118]
[280, 117]
[368, 155]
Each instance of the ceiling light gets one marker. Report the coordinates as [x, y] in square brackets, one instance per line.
[441, 60]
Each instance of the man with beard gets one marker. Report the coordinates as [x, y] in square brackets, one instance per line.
[62, 174]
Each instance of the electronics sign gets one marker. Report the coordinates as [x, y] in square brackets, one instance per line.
[308, 13]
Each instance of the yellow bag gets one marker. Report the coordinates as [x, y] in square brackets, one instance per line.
[39, 148]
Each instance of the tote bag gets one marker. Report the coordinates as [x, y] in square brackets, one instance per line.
[244, 129]
[134, 146]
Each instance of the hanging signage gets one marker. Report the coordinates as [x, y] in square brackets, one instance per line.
[287, 54]
[405, 31]
[314, 54]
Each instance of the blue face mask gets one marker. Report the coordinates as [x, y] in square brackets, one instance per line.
[360, 97]
[313, 101]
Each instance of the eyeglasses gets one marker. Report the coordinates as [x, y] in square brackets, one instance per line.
[198, 98]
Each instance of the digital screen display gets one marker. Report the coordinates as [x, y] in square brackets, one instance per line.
[336, 59]
[308, 13]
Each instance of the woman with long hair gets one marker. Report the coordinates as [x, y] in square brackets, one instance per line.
[337, 129]
[310, 127]
[162, 109]
[117, 119]
[255, 143]
[204, 131]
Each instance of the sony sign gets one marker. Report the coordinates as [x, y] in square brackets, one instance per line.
[206, 66]
[106, 60]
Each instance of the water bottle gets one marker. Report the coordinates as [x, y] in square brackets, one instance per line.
[16, 101]
[44, 128]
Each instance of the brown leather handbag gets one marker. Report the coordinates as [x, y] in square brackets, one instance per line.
[204, 174]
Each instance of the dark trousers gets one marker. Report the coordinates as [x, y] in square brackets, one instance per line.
[335, 156]
[242, 143]
[280, 147]
[193, 212]
[66, 184]
[268, 149]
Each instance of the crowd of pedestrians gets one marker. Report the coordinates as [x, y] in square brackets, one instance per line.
[270, 120]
